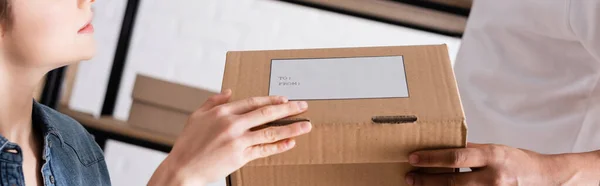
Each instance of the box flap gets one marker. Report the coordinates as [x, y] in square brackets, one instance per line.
[167, 94]
[348, 130]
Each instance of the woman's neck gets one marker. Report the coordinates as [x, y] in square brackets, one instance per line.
[17, 83]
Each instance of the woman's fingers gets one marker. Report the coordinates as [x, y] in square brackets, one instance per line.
[253, 103]
[271, 113]
[216, 100]
[274, 134]
[264, 150]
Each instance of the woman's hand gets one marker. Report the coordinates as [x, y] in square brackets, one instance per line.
[217, 139]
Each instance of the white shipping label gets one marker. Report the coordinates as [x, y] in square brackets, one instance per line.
[339, 78]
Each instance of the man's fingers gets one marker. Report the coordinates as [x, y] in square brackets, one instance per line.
[449, 179]
[264, 150]
[450, 158]
[271, 113]
[274, 134]
[216, 100]
[253, 103]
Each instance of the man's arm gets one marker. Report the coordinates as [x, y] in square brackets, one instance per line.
[578, 166]
[503, 165]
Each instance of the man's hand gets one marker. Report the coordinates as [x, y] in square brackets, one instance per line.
[495, 165]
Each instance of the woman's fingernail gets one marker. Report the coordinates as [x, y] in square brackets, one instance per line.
[290, 144]
[413, 159]
[410, 179]
[283, 99]
[226, 91]
[303, 105]
[305, 126]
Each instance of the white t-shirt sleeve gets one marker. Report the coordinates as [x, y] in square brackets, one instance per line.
[584, 19]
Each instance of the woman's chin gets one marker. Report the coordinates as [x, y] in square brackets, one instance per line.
[86, 49]
[87, 57]
[86, 54]
[82, 55]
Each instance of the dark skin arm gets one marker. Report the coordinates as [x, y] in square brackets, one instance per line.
[503, 165]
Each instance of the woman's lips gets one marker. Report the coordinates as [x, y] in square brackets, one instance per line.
[89, 28]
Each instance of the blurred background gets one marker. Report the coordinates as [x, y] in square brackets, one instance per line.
[185, 41]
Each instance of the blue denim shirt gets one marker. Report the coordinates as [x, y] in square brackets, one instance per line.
[70, 154]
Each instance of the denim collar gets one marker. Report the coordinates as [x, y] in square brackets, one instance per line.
[47, 123]
[41, 120]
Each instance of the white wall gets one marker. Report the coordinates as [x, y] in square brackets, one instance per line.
[185, 41]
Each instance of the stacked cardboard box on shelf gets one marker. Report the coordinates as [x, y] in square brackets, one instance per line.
[163, 107]
[370, 107]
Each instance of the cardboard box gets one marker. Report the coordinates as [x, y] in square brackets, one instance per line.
[370, 107]
[162, 106]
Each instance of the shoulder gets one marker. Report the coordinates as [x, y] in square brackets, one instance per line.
[60, 121]
[75, 157]
[72, 134]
